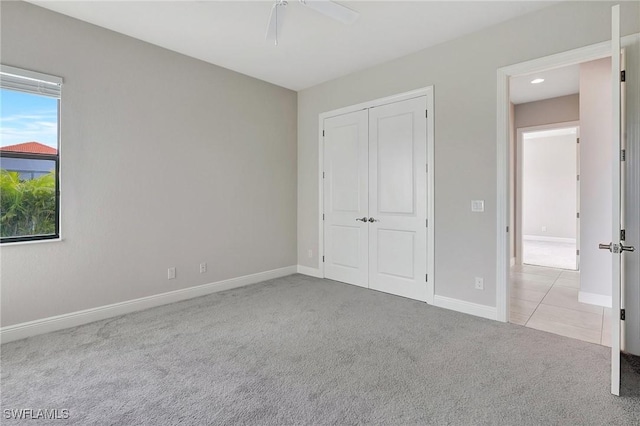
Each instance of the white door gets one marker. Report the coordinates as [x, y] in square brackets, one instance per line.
[398, 198]
[616, 246]
[346, 237]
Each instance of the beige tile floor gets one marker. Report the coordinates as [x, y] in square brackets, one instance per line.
[547, 299]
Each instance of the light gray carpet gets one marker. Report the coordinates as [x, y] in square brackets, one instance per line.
[549, 253]
[300, 350]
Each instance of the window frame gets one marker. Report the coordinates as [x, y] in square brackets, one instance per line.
[45, 80]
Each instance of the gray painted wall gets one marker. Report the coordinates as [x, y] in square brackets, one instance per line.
[166, 161]
[548, 111]
[463, 73]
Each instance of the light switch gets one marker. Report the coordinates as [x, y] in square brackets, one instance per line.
[477, 206]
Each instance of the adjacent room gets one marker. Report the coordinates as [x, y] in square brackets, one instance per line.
[319, 212]
[560, 178]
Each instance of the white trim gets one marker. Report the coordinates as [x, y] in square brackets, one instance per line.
[73, 319]
[30, 75]
[321, 118]
[575, 56]
[20, 243]
[594, 299]
[376, 102]
[429, 93]
[503, 136]
[483, 311]
[431, 206]
[312, 272]
[549, 239]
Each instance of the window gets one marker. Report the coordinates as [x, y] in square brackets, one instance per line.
[29, 155]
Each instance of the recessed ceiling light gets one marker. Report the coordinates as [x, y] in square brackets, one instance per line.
[537, 81]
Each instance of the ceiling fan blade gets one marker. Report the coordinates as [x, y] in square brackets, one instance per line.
[333, 10]
[275, 22]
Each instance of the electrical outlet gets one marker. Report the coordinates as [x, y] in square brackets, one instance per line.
[171, 273]
[479, 283]
[310, 253]
[203, 267]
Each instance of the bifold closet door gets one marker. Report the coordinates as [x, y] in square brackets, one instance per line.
[346, 237]
[398, 198]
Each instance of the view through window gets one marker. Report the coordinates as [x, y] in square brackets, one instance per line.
[29, 160]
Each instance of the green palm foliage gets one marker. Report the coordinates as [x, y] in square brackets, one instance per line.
[27, 207]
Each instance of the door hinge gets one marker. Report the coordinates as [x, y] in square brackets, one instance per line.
[426, 168]
[426, 277]
[578, 215]
[507, 229]
[322, 175]
[426, 113]
[622, 314]
[623, 234]
[322, 216]
[623, 75]
[577, 140]
[578, 177]
[322, 133]
[427, 223]
[577, 252]
[623, 155]
[322, 259]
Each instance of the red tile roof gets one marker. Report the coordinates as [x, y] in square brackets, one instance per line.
[30, 147]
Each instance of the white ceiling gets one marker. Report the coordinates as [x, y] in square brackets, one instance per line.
[557, 82]
[312, 47]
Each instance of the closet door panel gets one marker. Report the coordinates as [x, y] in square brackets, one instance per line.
[398, 198]
[346, 239]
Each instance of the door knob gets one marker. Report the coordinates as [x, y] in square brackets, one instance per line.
[616, 248]
[364, 219]
[373, 220]
[627, 248]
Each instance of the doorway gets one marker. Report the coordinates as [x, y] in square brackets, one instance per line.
[561, 203]
[547, 205]
[623, 267]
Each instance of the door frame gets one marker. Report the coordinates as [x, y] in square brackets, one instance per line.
[520, 131]
[427, 91]
[571, 57]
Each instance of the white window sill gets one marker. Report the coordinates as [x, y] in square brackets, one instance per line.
[20, 243]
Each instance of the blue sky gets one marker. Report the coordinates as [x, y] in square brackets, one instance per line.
[25, 117]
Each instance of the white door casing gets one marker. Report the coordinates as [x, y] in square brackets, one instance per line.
[398, 198]
[346, 239]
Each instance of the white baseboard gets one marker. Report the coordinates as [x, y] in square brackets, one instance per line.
[489, 312]
[73, 319]
[594, 299]
[549, 239]
[312, 272]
